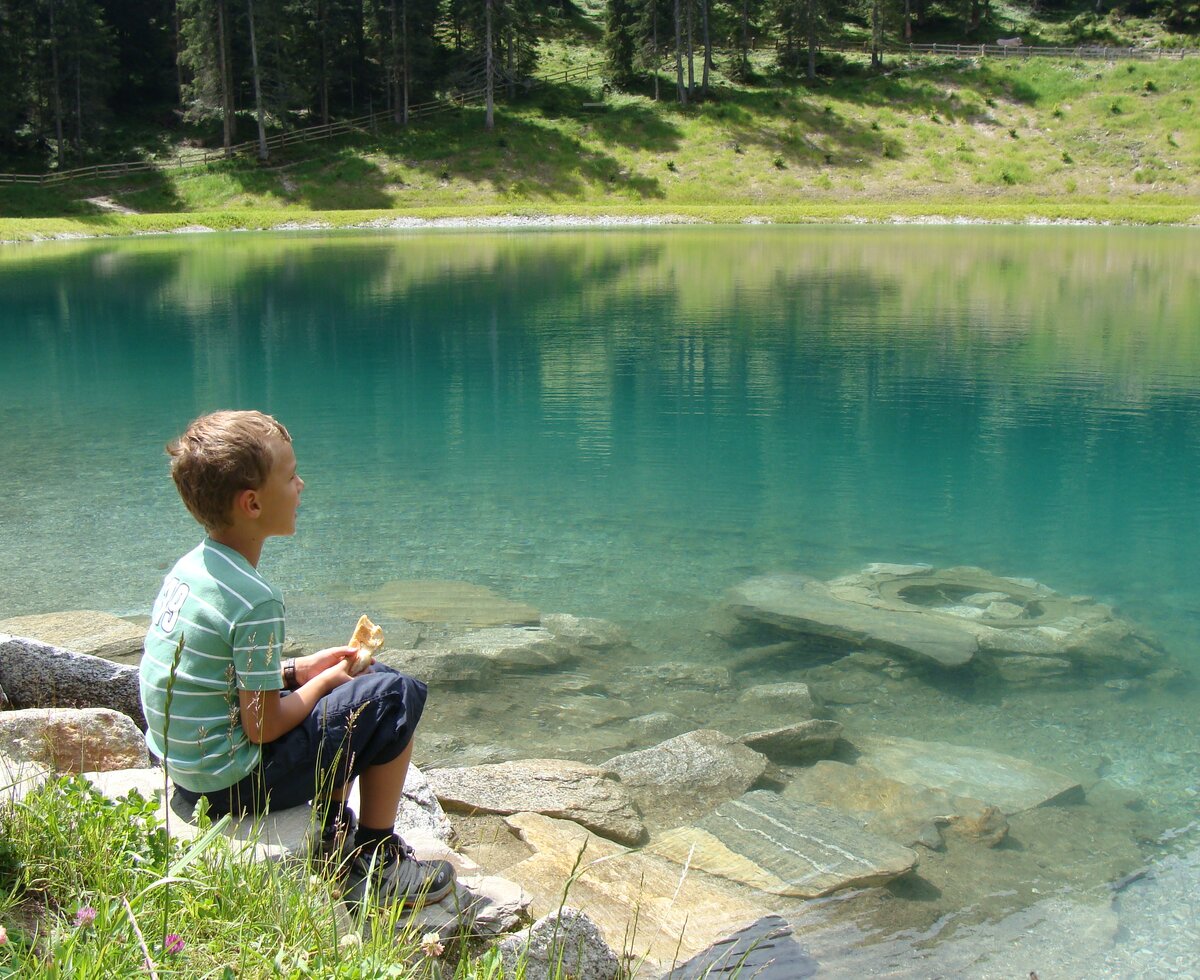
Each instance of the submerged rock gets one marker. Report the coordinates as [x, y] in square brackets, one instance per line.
[1003, 781]
[791, 700]
[454, 603]
[688, 775]
[786, 847]
[796, 744]
[587, 795]
[642, 904]
[906, 813]
[764, 950]
[83, 631]
[1021, 629]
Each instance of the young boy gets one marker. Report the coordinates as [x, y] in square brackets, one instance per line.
[211, 676]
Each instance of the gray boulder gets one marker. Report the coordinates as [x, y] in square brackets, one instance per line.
[83, 631]
[18, 778]
[38, 675]
[589, 796]
[73, 739]
[564, 943]
[686, 776]
[791, 700]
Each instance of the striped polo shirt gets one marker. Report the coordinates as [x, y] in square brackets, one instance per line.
[225, 623]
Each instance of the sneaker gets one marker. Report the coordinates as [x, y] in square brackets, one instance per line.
[336, 846]
[392, 875]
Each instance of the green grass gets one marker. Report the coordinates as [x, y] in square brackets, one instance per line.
[989, 140]
[95, 888]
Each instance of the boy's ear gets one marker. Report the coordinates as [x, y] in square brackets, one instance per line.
[246, 504]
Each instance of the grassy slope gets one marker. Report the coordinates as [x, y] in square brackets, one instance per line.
[996, 139]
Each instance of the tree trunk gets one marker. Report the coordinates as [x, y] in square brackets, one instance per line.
[745, 52]
[263, 155]
[707, 51]
[404, 53]
[78, 104]
[323, 82]
[511, 66]
[876, 34]
[810, 27]
[178, 66]
[654, 43]
[489, 121]
[691, 48]
[681, 91]
[908, 20]
[394, 67]
[58, 121]
[226, 77]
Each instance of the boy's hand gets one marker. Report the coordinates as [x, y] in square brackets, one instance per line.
[316, 663]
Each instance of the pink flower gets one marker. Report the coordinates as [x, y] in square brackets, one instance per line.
[85, 916]
[3, 935]
[173, 943]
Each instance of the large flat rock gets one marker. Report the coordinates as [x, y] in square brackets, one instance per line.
[1003, 781]
[73, 739]
[83, 631]
[589, 796]
[688, 775]
[640, 902]
[805, 605]
[786, 847]
[796, 744]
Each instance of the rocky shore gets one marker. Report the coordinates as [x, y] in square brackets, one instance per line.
[636, 786]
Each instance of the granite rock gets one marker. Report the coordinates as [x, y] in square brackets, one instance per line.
[791, 700]
[764, 950]
[565, 942]
[585, 794]
[38, 675]
[73, 739]
[688, 775]
[19, 778]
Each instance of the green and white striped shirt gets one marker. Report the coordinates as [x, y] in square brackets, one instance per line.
[226, 623]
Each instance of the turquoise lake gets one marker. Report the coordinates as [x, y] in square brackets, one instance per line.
[625, 424]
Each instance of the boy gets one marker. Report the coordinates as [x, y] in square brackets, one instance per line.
[222, 726]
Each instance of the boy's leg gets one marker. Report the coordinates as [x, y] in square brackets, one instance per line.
[379, 791]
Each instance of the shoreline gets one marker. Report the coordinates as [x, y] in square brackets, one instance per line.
[19, 231]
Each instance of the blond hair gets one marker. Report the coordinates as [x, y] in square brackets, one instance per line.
[218, 456]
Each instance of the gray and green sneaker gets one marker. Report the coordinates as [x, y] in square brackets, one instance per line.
[391, 875]
[336, 845]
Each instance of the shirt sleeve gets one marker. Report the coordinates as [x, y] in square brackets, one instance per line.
[257, 647]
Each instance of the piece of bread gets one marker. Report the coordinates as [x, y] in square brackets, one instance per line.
[367, 641]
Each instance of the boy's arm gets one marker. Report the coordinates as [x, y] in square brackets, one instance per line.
[265, 715]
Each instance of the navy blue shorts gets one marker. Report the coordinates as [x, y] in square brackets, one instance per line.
[366, 722]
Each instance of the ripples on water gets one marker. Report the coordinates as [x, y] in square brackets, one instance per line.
[625, 424]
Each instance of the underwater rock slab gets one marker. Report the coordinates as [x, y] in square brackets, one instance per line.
[456, 603]
[793, 700]
[786, 847]
[952, 616]
[100, 634]
[764, 950]
[805, 605]
[906, 813]
[796, 744]
[1003, 781]
[587, 795]
[640, 902]
[686, 776]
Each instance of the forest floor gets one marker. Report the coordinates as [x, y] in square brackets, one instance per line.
[938, 139]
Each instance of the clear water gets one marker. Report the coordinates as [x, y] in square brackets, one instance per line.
[626, 423]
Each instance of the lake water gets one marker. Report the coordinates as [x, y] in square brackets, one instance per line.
[625, 424]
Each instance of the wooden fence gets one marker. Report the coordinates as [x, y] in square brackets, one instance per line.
[278, 141]
[1092, 52]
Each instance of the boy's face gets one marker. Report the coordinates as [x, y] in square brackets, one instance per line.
[279, 496]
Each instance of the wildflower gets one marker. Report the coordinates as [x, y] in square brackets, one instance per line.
[431, 944]
[350, 939]
[3, 935]
[173, 943]
[85, 916]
